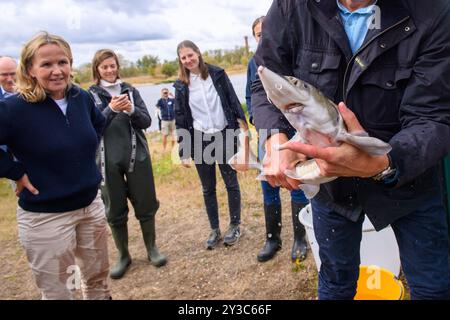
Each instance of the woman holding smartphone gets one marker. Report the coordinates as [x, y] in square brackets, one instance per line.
[125, 159]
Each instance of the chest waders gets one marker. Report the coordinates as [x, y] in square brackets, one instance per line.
[141, 191]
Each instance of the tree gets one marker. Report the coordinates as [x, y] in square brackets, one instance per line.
[147, 62]
[169, 68]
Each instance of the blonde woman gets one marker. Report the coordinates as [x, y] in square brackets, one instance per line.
[125, 160]
[53, 128]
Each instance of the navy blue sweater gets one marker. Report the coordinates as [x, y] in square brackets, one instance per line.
[57, 152]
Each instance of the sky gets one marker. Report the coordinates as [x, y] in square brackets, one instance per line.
[132, 28]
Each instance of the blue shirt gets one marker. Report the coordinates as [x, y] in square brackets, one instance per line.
[167, 109]
[356, 24]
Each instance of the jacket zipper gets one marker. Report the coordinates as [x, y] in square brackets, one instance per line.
[344, 94]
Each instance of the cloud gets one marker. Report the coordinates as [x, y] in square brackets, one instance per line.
[132, 28]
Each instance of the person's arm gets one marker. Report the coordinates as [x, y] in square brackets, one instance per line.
[108, 113]
[248, 90]
[140, 118]
[425, 107]
[424, 114]
[275, 52]
[10, 169]
[183, 136]
[97, 118]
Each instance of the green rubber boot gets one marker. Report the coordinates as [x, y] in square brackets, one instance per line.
[149, 234]
[120, 236]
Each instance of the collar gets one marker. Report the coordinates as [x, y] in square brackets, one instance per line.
[6, 93]
[363, 11]
[107, 84]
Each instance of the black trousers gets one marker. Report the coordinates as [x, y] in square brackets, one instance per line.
[206, 168]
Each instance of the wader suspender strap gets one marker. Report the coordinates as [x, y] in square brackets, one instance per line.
[133, 138]
[98, 104]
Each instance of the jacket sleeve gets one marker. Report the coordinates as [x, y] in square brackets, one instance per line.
[234, 100]
[184, 136]
[180, 115]
[425, 107]
[97, 118]
[248, 90]
[103, 106]
[8, 167]
[275, 52]
[140, 118]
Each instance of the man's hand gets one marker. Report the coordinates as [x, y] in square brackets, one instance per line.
[24, 183]
[345, 160]
[277, 162]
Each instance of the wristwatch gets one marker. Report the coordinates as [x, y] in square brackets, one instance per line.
[387, 174]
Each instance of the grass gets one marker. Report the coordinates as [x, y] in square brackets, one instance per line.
[8, 205]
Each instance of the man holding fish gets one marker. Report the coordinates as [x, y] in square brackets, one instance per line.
[386, 64]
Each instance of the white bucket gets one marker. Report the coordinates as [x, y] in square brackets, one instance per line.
[377, 248]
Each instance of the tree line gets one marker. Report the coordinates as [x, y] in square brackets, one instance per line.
[151, 65]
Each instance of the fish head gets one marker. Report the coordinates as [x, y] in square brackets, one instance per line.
[286, 93]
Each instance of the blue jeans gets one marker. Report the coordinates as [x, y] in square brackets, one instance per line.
[272, 195]
[422, 237]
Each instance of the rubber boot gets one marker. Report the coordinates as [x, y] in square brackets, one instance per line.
[120, 236]
[272, 215]
[300, 246]
[149, 235]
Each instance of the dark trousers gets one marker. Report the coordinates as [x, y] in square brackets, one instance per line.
[207, 173]
[422, 237]
[206, 168]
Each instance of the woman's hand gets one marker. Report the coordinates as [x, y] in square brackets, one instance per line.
[276, 162]
[24, 183]
[120, 103]
[345, 160]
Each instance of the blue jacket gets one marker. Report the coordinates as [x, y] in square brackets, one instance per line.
[397, 84]
[251, 77]
[167, 107]
[57, 152]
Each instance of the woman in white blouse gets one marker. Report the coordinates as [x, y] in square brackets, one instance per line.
[207, 108]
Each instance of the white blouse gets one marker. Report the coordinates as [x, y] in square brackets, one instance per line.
[206, 107]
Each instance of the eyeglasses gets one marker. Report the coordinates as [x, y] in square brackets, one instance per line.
[165, 93]
[11, 74]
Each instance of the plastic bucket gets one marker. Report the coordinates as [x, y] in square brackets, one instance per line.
[376, 283]
[377, 248]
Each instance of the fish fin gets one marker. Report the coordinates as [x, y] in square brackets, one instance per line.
[261, 177]
[239, 157]
[234, 160]
[305, 171]
[360, 133]
[292, 174]
[371, 145]
[297, 138]
[310, 190]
